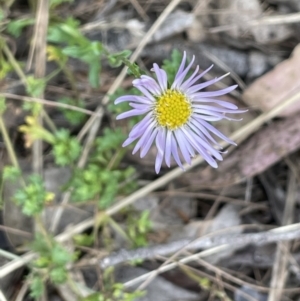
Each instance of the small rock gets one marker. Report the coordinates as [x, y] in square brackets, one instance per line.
[242, 12]
[196, 31]
[241, 294]
[175, 23]
[277, 85]
[158, 289]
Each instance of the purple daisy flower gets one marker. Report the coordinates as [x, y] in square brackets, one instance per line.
[178, 116]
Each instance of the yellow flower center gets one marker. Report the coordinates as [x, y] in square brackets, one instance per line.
[172, 109]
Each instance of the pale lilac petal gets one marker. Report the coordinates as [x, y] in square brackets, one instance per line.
[139, 106]
[213, 114]
[145, 148]
[202, 151]
[216, 109]
[222, 103]
[143, 90]
[182, 146]
[215, 93]
[215, 131]
[178, 81]
[128, 141]
[141, 126]
[160, 144]
[168, 148]
[198, 87]
[132, 113]
[198, 143]
[188, 83]
[161, 77]
[181, 67]
[146, 135]
[151, 84]
[201, 131]
[208, 118]
[174, 151]
[140, 99]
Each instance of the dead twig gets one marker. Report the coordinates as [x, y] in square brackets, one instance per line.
[49, 103]
[221, 243]
[280, 272]
[205, 242]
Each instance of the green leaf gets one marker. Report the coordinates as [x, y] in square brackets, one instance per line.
[35, 86]
[84, 239]
[94, 297]
[109, 142]
[67, 32]
[94, 73]
[2, 15]
[2, 104]
[33, 196]
[5, 68]
[15, 27]
[171, 66]
[74, 117]
[55, 3]
[58, 275]
[37, 287]
[60, 256]
[109, 192]
[117, 59]
[11, 172]
[66, 149]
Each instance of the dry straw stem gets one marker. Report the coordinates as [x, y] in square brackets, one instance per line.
[270, 20]
[39, 47]
[211, 240]
[22, 292]
[238, 136]
[222, 243]
[279, 272]
[2, 297]
[93, 124]
[49, 103]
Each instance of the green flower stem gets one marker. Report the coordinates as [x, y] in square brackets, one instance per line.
[7, 141]
[116, 158]
[13, 61]
[39, 227]
[48, 121]
[22, 76]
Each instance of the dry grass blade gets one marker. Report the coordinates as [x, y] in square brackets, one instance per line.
[39, 48]
[49, 103]
[270, 20]
[279, 234]
[2, 297]
[279, 273]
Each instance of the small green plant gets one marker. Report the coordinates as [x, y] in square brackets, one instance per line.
[15, 27]
[113, 291]
[78, 46]
[66, 149]
[33, 197]
[171, 66]
[138, 228]
[11, 173]
[51, 264]
[74, 117]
